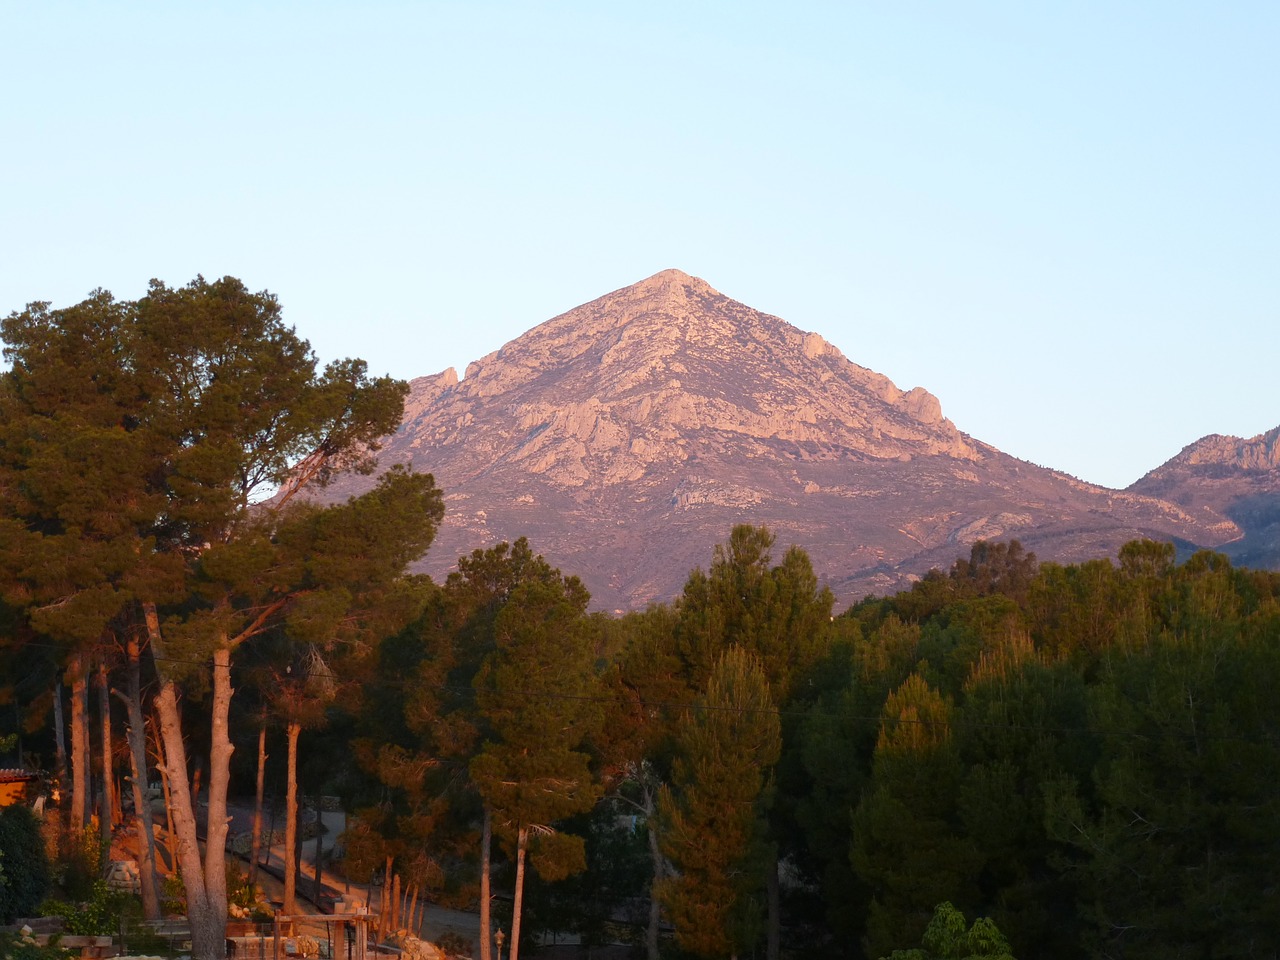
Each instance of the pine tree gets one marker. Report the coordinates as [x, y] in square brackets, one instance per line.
[907, 845]
[137, 442]
[537, 694]
[713, 812]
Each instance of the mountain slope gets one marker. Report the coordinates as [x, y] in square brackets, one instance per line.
[1237, 478]
[627, 436]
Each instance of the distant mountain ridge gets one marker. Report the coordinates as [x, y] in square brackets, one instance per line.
[1237, 478]
[627, 436]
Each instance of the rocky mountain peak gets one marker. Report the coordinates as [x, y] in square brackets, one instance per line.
[1256, 453]
[652, 373]
[626, 436]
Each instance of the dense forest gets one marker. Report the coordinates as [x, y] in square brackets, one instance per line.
[1085, 755]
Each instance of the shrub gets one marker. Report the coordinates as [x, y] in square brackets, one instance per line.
[97, 916]
[80, 861]
[25, 864]
[22, 946]
[455, 944]
[173, 895]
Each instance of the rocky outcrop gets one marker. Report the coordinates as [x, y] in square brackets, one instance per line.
[1237, 478]
[626, 437]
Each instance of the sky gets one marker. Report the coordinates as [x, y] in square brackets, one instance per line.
[1063, 220]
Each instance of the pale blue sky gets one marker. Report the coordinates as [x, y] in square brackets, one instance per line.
[1061, 219]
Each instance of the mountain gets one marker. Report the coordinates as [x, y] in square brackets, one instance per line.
[1238, 479]
[626, 437]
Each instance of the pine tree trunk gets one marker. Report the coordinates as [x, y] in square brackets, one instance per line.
[79, 744]
[486, 931]
[207, 928]
[291, 821]
[384, 915]
[136, 734]
[659, 872]
[108, 805]
[522, 842]
[220, 751]
[257, 803]
[207, 917]
[60, 735]
[170, 838]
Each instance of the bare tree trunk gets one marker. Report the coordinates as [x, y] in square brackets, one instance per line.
[257, 803]
[522, 841]
[207, 928]
[291, 821]
[384, 900]
[108, 805]
[136, 734]
[220, 750]
[486, 930]
[659, 872]
[207, 914]
[170, 838]
[60, 734]
[79, 744]
[275, 803]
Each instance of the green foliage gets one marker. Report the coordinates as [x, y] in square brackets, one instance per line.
[536, 694]
[17, 945]
[99, 915]
[240, 892]
[80, 859]
[173, 895]
[1183, 824]
[779, 613]
[25, 876]
[946, 938]
[907, 846]
[712, 815]
[455, 944]
[615, 878]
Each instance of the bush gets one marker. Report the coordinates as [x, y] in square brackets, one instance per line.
[173, 895]
[22, 946]
[455, 945]
[80, 861]
[96, 917]
[25, 864]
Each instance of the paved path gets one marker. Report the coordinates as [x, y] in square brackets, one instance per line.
[436, 920]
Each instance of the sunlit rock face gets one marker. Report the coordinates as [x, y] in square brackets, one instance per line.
[626, 437]
[1235, 477]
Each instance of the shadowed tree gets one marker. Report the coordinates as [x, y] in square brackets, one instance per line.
[906, 844]
[538, 694]
[713, 813]
[780, 615]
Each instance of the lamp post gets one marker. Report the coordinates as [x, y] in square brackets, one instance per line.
[498, 940]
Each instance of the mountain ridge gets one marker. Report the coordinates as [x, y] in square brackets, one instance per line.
[626, 436]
